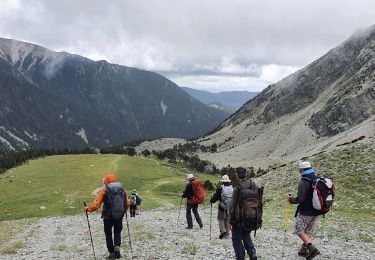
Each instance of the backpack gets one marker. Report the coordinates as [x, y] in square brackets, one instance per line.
[133, 199]
[250, 205]
[226, 197]
[198, 192]
[323, 194]
[115, 199]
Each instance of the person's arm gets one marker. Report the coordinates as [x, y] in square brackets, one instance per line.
[97, 202]
[188, 193]
[303, 187]
[216, 196]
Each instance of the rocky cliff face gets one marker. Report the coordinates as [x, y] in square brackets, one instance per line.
[51, 99]
[331, 99]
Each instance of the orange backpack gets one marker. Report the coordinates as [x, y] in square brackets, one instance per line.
[198, 192]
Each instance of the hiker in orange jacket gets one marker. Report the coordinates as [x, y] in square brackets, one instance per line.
[111, 217]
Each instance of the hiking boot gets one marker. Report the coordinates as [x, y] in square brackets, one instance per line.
[303, 251]
[117, 252]
[111, 256]
[201, 225]
[189, 228]
[253, 256]
[223, 234]
[313, 251]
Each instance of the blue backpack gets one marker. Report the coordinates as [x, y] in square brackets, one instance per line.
[133, 199]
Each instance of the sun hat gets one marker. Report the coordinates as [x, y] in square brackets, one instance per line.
[225, 178]
[189, 176]
[304, 165]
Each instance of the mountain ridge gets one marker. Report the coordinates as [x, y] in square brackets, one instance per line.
[113, 104]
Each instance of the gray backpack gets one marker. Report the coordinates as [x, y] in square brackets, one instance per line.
[115, 198]
[226, 197]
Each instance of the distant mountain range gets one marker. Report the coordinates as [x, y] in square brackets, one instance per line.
[60, 100]
[229, 101]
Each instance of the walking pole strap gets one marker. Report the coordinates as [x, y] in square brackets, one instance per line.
[88, 224]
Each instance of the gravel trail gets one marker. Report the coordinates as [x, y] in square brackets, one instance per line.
[155, 235]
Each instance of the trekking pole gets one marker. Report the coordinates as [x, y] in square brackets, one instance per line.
[286, 223]
[88, 223]
[179, 211]
[210, 220]
[130, 242]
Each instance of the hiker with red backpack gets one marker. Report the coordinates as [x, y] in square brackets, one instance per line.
[245, 213]
[113, 197]
[194, 194]
[315, 196]
[223, 194]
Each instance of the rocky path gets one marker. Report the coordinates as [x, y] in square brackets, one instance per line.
[155, 235]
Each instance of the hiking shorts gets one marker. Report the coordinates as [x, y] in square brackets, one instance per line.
[304, 224]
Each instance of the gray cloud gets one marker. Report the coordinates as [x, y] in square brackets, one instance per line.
[205, 43]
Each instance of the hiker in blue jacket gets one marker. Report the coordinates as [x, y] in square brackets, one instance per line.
[306, 215]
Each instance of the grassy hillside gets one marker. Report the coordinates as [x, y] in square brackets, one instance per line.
[57, 185]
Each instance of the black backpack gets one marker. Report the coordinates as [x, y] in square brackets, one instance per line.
[250, 203]
[115, 200]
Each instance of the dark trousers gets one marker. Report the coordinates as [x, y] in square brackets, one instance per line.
[132, 210]
[241, 240]
[116, 224]
[189, 218]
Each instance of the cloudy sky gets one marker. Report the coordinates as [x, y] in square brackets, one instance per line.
[216, 45]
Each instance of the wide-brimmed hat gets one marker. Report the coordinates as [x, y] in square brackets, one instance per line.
[225, 178]
[189, 176]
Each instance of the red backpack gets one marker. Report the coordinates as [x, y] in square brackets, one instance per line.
[198, 192]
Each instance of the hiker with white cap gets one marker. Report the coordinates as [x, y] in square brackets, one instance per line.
[306, 215]
[194, 194]
[223, 194]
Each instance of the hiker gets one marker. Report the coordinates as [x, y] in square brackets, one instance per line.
[223, 194]
[138, 204]
[133, 203]
[306, 215]
[113, 197]
[194, 194]
[241, 238]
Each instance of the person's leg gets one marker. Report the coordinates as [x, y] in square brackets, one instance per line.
[227, 226]
[189, 218]
[132, 211]
[237, 242]
[196, 215]
[117, 228]
[108, 224]
[248, 243]
[304, 237]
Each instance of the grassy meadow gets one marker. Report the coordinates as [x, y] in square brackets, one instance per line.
[58, 185]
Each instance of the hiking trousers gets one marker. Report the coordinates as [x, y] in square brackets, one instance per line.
[116, 224]
[241, 240]
[132, 210]
[189, 218]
